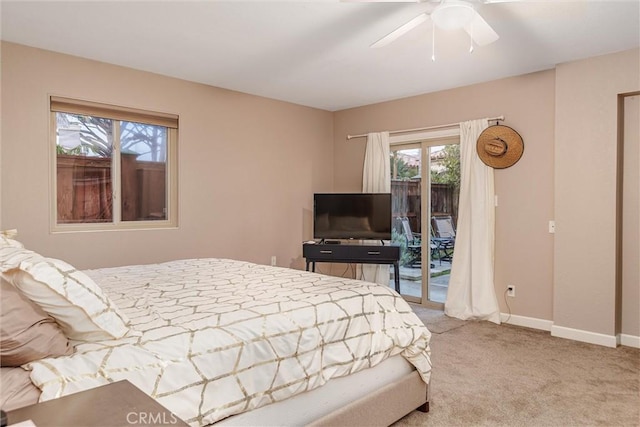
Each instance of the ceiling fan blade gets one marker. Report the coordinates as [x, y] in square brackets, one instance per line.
[481, 32]
[401, 30]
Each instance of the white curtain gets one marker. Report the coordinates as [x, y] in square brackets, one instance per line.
[376, 178]
[471, 293]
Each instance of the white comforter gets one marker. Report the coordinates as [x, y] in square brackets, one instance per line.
[217, 337]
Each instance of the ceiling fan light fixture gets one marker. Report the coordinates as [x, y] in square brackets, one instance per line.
[452, 15]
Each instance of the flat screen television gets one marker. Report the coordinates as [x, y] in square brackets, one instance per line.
[352, 216]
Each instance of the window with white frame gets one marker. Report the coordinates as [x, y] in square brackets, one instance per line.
[114, 167]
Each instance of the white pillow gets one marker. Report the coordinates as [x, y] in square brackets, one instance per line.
[7, 239]
[72, 298]
[12, 252]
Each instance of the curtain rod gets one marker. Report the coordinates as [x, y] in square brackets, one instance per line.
[499, 118]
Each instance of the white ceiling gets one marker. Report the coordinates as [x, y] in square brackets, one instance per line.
[317, 53]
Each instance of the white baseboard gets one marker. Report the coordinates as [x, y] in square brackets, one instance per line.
[630, 340]
[572, 334]
[584, 336]
[527, 322]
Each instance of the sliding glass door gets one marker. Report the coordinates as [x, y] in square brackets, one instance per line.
[406, 208]
[425, 180]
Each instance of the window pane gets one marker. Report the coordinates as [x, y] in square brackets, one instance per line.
[143, 171]
[84, 145]
[406, 206]
[445, 188]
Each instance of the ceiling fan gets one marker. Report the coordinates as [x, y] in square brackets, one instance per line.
[450, 15]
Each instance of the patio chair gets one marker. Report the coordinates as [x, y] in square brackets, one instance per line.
[444, 237]
[414, 245]
[413, 242]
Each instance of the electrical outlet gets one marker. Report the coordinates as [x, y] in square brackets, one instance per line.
[511, 291]
[273, 260]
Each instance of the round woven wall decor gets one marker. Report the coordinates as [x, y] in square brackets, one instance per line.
[500, 146]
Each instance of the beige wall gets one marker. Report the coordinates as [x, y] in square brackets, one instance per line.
[524, 248]
[568, 120]
[248, 166]
[585, 189]
[630, 286]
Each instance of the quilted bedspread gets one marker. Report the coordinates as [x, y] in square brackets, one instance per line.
[213, 337]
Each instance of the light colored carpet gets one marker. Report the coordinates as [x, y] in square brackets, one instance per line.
[435, 320]
[501, 375]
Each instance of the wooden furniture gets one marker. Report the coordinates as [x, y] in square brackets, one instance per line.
[353, 254]
[116, 404]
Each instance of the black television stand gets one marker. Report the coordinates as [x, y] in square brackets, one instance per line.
[337, 242]
[330, 242]
[353, 254]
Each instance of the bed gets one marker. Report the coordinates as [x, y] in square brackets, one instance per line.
[221, 341]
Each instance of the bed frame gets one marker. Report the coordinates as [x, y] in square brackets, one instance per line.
[345, 402]
[383, 407]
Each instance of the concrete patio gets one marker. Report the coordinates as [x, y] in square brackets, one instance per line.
[411, 281]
